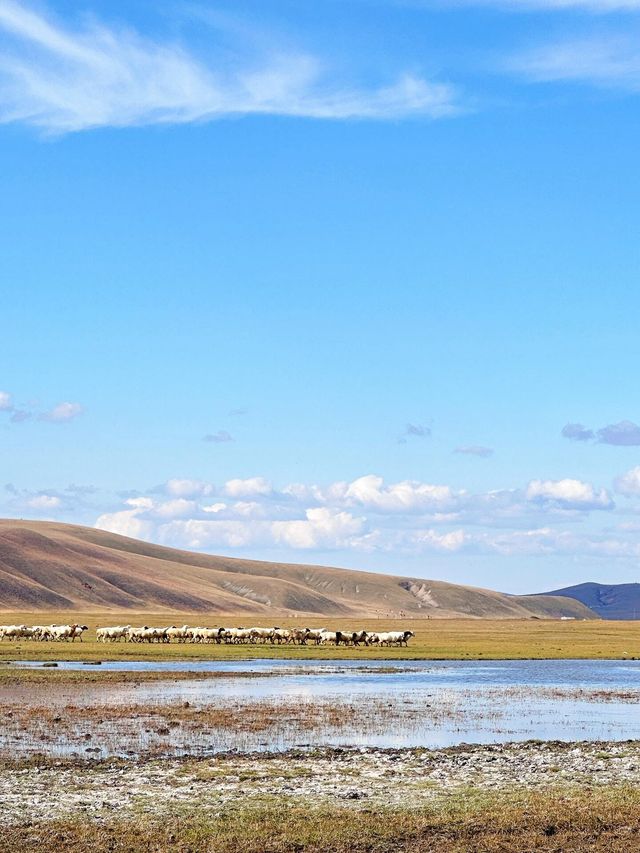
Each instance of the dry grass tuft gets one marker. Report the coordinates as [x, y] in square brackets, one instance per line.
[564, 822]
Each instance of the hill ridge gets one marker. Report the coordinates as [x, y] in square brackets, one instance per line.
[609, 601]
[57, 566]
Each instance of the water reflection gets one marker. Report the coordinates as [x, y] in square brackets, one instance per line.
[315, 703]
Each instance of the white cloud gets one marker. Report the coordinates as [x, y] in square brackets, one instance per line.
[215, 508]
[629, 483]
[44, 502]
[62, 413]
[177, 508]
[431, 539]
[322, 528]
[63, 79]
[248, 488]
[568, 493]
[186, 488]
[127, 523]
[140, 503]
[6, 402]
[365, 515]
[406, 496]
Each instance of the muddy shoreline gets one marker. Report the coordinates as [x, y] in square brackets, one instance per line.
[409, 779]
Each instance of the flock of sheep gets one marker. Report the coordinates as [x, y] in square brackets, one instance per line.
[42, 632]
[187, 634]
[300, 636]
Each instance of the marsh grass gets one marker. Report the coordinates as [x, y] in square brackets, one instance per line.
[148, 730]
[558, 820]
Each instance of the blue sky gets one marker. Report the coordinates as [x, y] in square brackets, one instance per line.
[325, 282]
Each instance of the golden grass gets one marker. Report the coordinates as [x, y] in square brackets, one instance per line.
[445, 639]
[605, 819]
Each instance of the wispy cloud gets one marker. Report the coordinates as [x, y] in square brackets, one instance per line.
[601, 60]
[414, 431]
[628, 484]
[62, 413]
[219, 437]
[63, 78]
[599, 7]
[622, 434]
[475, 450]
[577, 432]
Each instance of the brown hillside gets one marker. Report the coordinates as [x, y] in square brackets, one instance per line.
[53, 566]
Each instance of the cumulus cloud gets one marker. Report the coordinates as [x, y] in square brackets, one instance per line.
[219, 437]
[577, 432]
[248, 488]
[176, 508]
[628, 484]
[62, 413]
[44, 502]
[128, 523]
[622, 434]
[6, 401]
[475, 450]
[364, 514]
[64, 78]
[187, 488]
[321, 528]
[252, 525]
[568, 493]
[371, 493]
[367, 514]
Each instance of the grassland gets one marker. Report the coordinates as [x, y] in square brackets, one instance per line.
[604, 819]
[442, 639]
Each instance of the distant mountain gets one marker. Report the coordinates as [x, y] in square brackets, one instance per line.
[52, 566]
[609, 601]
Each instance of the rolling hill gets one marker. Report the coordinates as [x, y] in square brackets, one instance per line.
[55, 566]
[609, 601]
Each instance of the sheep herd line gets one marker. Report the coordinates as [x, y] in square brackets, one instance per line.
[188, 634]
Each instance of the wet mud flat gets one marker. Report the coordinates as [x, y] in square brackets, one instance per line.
[365, 777]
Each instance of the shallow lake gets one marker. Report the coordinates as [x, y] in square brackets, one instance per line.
[395, 704]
